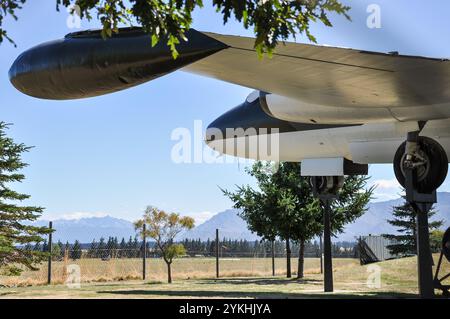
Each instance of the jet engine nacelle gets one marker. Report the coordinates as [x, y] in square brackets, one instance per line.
[83, 64]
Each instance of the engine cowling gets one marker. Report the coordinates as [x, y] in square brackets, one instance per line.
[250, 131]
[83, 64]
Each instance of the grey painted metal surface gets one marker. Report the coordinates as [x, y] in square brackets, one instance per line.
[378, 247]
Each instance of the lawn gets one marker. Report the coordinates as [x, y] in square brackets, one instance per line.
[398, 279]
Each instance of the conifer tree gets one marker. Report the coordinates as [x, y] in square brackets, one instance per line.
[123, 249]
[92, 251]
[67, 248]
[61, 250]
[76, 250]
[16, 232]
[101, 249]
[404, 219]
[56, 252]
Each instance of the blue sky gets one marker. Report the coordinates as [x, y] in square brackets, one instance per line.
[112, 154]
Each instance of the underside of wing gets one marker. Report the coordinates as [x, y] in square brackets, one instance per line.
[330, 76]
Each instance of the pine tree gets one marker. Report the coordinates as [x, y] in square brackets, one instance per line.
[15, 229]
[44, 245]
[405, 220]
[56, 252]
[130, 247]
[67, 248]
[115, 247]
[123, 249]
[136, 247]
[101, 249]
[110, 247]
[92, 251]
[61, 250]
[76, 250]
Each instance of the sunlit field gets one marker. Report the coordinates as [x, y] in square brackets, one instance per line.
[194, 278]
[97, 270]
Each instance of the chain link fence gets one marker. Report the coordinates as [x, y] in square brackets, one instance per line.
[119, 260]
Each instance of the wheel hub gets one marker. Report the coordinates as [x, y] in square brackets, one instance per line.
[419, 160]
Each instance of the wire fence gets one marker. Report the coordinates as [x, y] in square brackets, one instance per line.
[114, 260]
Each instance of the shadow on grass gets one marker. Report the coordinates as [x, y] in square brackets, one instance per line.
[257, 295]
[259, 281]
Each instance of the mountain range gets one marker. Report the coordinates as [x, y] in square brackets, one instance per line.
[230, 225]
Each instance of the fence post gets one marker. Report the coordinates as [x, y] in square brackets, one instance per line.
[144, 255]
[327, 247]
[273, 258]
[217, 253]
[49, 249]
[321, 254]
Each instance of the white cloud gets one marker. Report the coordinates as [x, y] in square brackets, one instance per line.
[73, 215]
[387, 184]
[386, 189]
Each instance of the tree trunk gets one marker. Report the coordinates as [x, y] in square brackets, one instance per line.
[273, 258]
[301, 259]
[288, 259]
[169, 273]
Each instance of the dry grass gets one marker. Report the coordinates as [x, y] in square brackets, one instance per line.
[96, 270]
[194, 279]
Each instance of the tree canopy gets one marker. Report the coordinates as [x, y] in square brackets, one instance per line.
[283, 204]
[271, 20]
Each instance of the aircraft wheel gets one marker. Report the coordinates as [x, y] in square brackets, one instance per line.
[430, 162]
[328, 184]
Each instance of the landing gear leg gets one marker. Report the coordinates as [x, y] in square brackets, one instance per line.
[420, 166]
[326, 188]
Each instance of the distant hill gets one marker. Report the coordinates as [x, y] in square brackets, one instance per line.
[87, 229]
[374, 221]
[232, 226]
[228, 222]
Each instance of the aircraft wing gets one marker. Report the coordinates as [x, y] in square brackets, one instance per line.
[328, 75]
[83, 65]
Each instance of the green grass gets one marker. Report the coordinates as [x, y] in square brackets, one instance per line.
[398, 280]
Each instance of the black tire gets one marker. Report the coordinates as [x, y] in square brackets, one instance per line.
[438, 165]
